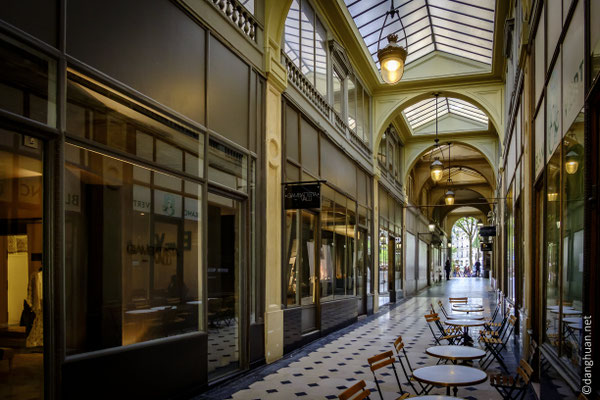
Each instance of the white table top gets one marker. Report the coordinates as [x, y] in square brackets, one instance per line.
[454, 352]
[467, 309]
[555, 308]
[450, 375]
[571, 320]
[477, 317]
[464, 322]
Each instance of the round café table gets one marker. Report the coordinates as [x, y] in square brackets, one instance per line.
[450, 376]
[434, 397]
[565, 311]
[466, 324]
[462, 316]
[455, 353]
[572, 320]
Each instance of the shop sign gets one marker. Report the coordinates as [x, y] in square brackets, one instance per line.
[487, 231]
[298, 196]
[487, 246]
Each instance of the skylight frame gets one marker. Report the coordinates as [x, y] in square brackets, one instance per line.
[423, 112]
[463, 28]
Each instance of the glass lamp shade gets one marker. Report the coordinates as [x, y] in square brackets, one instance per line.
[436, 169]
[552, 196]
[449, 198]
[392, 58]
[431, 227]
[571, 162]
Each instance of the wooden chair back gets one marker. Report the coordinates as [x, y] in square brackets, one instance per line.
[355, 392]
[381, 360]
[524, 371]
[432, 317]
[458, 300]
[398, 344]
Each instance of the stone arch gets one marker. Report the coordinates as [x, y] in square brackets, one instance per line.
[487, 98]
[414, 151]
[489, 179]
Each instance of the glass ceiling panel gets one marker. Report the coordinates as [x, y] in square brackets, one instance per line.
[423, 112]
[464, 28]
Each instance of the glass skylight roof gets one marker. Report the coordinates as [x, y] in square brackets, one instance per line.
[424, 111]
[461, 27]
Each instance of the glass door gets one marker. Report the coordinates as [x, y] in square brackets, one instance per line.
[21, 268]
[225, 255]
[361, 270]
[308, 294]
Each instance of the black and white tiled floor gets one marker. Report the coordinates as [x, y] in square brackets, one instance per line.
[326, 367]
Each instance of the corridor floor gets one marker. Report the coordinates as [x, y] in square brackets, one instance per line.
[326, 367]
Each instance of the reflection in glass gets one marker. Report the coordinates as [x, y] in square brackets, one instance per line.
[552, 259]
[132, 254]
[572, 237]
[340, 245]
[27, 82]
[98, 114]
[291, 255]
[227, 166]
[383, 261]
[21, 268]
[308, 232]
[327, 254]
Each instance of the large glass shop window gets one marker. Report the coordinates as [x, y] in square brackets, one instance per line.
[552, 258]
[572, 242]
[21, 267]
[27, 82]
[132, 233]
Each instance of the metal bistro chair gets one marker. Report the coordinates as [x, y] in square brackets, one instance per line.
[494, 345]
[399, 347]
[450, 335]
[513, 388]
[491, 321]
[381, 361]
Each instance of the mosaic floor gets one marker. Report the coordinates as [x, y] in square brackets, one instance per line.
[326, 367]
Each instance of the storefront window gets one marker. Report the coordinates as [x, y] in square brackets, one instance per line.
[133, 254]
[510, 245]
[572, 237]
[552, 259]
[308, 234]
[21, 266]
[350, 248]
[383, 261]
[327, 256]
[291, 255]
[27, 82]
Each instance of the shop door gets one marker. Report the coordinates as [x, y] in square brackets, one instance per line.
[308, 276]
[21, 269]
[361, 270]
[225, 252]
